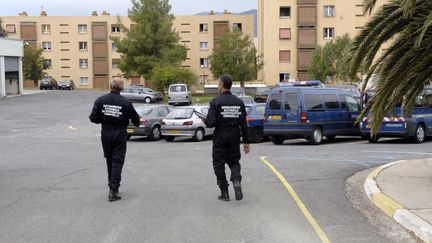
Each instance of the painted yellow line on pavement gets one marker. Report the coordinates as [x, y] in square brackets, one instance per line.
[300, 204]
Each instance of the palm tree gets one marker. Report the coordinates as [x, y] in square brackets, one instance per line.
[406, 66]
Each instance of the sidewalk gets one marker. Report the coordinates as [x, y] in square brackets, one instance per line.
[403, 190]
[26, 92]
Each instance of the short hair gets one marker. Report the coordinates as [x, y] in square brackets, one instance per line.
[117, 84]
[226, 80]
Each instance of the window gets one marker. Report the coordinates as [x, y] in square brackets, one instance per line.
[284, 77]
[284, 33]
[203, 28]
[83, 63]
[291, 101]
[329, 10]
[82, 28]
[113, 47]
[48, 63]
[237, 26]
[313, 102]
[331, 101]
[115, 29]
[46, 29]
[285, 12]
[46, 46]
[83, 46]
[204, 62]
[353, 104]
[328, 33]
[343, 101]
[10, 28]
[275, 101]
[204, 45]
[84, 80]
[284, 56]
[115, 63]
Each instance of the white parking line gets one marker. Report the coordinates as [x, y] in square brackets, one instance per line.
[396, 152]
[72, 128]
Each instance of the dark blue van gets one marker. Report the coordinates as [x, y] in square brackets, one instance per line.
[417, 125]
[311, 113]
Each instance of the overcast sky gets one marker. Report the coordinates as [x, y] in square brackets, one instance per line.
[117, 7]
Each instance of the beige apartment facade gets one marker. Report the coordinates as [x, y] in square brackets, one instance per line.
[80, 47]
[289, 31]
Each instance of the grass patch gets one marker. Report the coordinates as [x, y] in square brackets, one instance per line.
[196, 99]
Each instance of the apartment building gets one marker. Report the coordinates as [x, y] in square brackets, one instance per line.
[289, 31]
[80, 47]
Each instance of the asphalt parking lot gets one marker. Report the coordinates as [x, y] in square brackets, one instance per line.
[53, 184]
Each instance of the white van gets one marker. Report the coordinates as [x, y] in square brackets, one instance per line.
[179, 94]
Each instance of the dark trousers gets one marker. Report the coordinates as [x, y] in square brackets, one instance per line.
[114, 147]
[226, 150]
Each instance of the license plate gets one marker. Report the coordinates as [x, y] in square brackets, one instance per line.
[130, 130]
[275, 117]
[173, 131]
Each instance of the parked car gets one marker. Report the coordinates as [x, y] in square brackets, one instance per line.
[238, 91]
[150, 121]
[66, 84]
[48, 83]
[417, 125]
[261, 94]
[184, 122]
[136, 93]
[255, 119]
[247, 99]
[311, 113]
[179, 94]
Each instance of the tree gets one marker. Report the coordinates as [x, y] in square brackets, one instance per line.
[33, 64]
[2, 31]
[235, 54]
[163, 76]
[328, 60]
[151, 41]
[405, 66]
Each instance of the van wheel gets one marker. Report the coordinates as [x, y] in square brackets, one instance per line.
[199, 135]
[155, 134]
[169, 138]
[147, 100]
[257, 135]
[277, 140]
[419, 135]
[316, 137]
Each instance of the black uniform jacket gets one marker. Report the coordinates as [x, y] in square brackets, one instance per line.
[227, 110]
[114, 111]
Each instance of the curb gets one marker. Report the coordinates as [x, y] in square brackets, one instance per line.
[393, 209]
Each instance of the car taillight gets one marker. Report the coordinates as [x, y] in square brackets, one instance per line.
[303, 118]
[265, 118]
[162, 122]
[187, 123]
[250, 119]
[144, 121]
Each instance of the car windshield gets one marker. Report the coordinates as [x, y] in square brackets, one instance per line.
[143, 111]
[178, 88]
[247, 100]
[185, 113]
[263, 90]
[65, 82]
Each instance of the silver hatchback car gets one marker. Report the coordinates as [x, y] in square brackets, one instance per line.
[184, 122]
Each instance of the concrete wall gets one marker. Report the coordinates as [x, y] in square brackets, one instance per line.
[11, 53]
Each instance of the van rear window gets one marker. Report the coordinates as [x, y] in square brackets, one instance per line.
[313, 102]
[178, 88]
[275, 101]
[331, 101]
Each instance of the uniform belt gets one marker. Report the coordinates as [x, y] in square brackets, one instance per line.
[113, 127]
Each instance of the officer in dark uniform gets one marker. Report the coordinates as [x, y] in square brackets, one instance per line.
[227, 114]
[114, 111]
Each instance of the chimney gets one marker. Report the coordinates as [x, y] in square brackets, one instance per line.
[226, 12]
[23, 13]
[105, 13]
[94, 13]
[43, 13]
[211, 12]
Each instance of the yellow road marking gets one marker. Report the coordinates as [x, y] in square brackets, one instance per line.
[300, 204]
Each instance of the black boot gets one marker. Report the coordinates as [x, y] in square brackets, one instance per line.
[238, 190]
[113, 195]
[224, 196]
